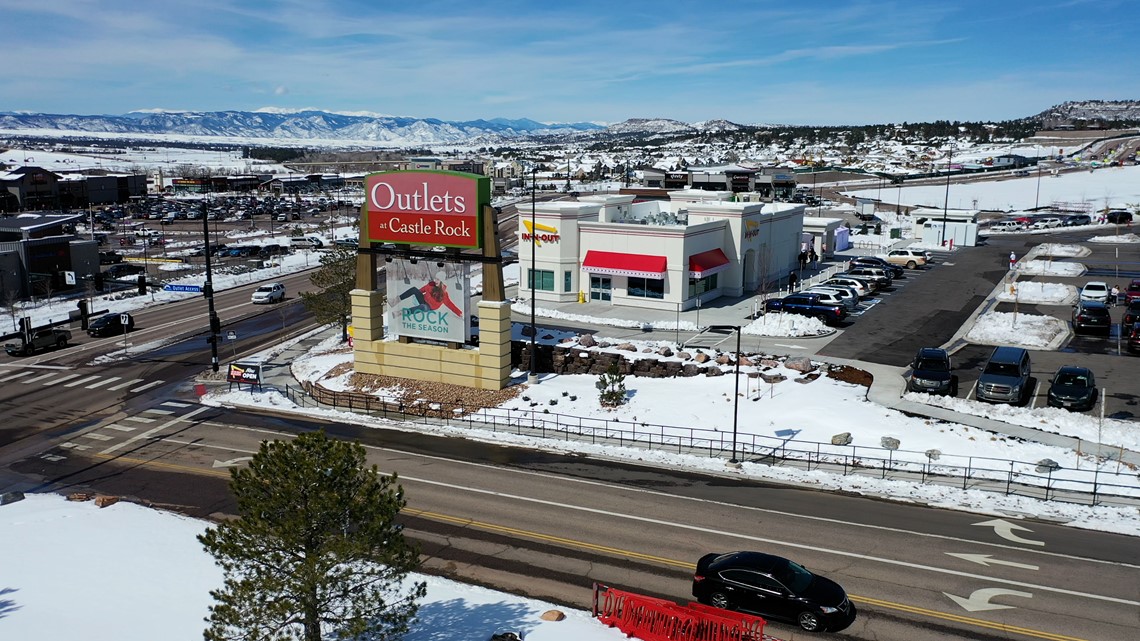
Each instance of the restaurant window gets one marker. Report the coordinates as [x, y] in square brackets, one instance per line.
[567, 281]
[540, 279]
[646, 287]
[698, 286]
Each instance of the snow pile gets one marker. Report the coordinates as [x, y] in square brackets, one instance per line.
[995, 328]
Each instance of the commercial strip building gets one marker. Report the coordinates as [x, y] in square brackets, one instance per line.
[675, 254]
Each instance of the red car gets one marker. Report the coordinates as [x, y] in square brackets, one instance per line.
[1134, 339]
[1132, 292]
[1131, 314]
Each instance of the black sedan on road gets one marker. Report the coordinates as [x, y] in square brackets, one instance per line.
[773, 587]
[110, 325]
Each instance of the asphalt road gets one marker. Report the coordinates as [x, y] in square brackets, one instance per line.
[550, 525]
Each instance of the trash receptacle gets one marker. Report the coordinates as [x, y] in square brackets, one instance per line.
[896, 232]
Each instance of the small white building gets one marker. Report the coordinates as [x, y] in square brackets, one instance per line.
[657, 254]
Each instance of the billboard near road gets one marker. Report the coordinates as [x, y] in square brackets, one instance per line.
[427, 300]
[442, 208]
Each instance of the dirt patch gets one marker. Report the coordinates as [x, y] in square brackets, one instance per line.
[412, 393]
[850, 375]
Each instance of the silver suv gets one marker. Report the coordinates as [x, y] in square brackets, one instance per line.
[1005, 376]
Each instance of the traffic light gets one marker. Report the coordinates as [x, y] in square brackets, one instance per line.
[215, 324]
[211, 339]
[142, 284]
[82, 305]
[207, 289]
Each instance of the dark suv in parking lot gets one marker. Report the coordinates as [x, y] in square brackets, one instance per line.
[1091, 317]
[931, 373]
[1005, 376]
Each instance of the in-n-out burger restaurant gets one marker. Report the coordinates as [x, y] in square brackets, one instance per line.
[699, 245]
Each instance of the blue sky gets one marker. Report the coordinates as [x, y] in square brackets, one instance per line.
[820, 62]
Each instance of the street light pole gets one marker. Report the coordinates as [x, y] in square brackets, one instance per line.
[208, 291]
[1037, 198]
[946, 202]
[533, 377]
[736, 389]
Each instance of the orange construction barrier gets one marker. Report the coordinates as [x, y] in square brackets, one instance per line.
[652, 619]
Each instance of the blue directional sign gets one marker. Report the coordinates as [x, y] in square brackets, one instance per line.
[181, 288]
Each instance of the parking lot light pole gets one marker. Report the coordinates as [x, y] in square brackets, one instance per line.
[736, 389]
[533, 378]
[946, 202]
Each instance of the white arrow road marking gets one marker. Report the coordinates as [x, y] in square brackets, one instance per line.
[232, 462]
[1005, 529]
[987, 560]
[980, 599]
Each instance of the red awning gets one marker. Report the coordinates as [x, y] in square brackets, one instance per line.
[615, 264]
[707, 263]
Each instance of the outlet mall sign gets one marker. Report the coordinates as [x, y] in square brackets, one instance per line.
[426, 208]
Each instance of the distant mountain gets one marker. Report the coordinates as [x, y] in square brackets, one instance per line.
[1079, 112]
[301, 125]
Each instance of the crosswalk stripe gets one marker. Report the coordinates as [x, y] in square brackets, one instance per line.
[147, 386]
[122, 385]
[103, 382]
[38, 378]
[82, 381]
[14, 376]
[60, 380]
[158, 411]
[96, 436]
[121, 428]
[176, 404]
[139, 419]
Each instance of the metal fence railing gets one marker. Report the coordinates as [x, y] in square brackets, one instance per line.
[1103, 482]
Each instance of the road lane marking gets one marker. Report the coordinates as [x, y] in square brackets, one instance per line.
[147, 434]
[140, 419]
[149, 385]
[82, 381]
[176, 404]
[155, 410]
[38, 378]
[60, 380]
[110, 379]
[1005, 529]
[988, 560]
[14, 376]
[682, 526]
[122, 385]
[979, 600]
[121, 428]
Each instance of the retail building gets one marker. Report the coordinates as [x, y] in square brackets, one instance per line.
[697, 246]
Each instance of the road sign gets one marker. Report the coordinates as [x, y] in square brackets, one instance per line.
[69, 278]
[125, 319]
[181, 288]
[231, 335]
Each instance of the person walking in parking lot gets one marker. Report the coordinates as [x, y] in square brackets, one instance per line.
[1113, 296]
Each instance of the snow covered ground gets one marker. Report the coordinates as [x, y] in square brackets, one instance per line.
[130, 573]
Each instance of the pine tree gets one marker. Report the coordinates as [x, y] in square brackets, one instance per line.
[316, 552]
[332, 302]
[612, 387]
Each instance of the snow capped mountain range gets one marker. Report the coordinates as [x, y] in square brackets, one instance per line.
[300, 125]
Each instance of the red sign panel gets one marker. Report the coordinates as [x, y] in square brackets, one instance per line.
[426, 208]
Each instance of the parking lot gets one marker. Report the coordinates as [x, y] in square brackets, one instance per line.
[928, 309]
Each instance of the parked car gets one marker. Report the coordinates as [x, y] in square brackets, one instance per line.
[1090, 316]
[1132, 292]
[881, 278]
[110, 258]
[1131, 314]
[271, 293]
[773, 587]
[909, 258]
[1119, 217]
[1095, 290]
[807, 304]
[932, 372]
[122, 270]
[859, 286]
[1007, 226]
[1133, 338]
[835, 297]
[874, 261]
[110, 325]
[1073, 388]
[1076, 220]
[1005, 376]
[1046, 223]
